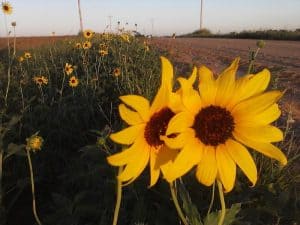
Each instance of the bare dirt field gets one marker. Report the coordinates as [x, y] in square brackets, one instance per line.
[282, 58]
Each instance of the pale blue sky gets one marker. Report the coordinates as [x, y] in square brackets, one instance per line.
[41, 17]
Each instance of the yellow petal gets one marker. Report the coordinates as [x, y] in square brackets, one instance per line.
[180, 122]
[243, 159]
[265, 148]
[252, 85]
[226, 84]
[207, 86]
[259, 119]
[256, 104]
[154, 170]
[129, 116]
[226, 168]
[167, 73]
[261, 134]
[139, 104]
[180, 140]
[175, 103]
[135, 167]
[207, 168]
[128, 135]
[187, 158]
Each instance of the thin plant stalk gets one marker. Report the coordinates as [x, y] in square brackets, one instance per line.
[212, 198]
[253, 57]
[32, 189]
[1, 191]
[222, 200]
[119, 198]
[176, 203]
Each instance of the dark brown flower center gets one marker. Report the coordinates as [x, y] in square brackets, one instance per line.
[6, 8]
[73, 81]
[213, 125]
[157, 126]
[88, 33]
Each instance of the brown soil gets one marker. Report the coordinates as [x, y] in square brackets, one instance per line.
[282, 58]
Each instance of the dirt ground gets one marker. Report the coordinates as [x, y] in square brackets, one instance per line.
[282, 58]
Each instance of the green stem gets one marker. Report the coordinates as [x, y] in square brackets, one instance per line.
[119, 197]
[252, 61]
[223, 207]
[212, 199]
[32, 189]
[176, 203]
[1, 191]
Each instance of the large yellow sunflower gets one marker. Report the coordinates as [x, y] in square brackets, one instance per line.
[7, 8]
[217, 123]
[147, 123]
[88, 34]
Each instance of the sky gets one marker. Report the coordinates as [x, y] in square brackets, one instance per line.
[158, 17]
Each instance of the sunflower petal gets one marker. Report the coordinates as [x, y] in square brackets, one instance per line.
[165, 161]
[180, 140]
[207, 86]
[226, 168]
[138, 103]
[261, 134]
[243, 159]
[264, 148]
[129, 116]
[207, 168]
[226, 84]
[179, 123]
[154, 170]
[128, 135]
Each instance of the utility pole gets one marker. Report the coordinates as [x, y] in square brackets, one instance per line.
[80, 16]
[201, 15]
[152, 27]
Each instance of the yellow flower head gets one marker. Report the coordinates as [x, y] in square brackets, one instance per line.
[146, 125]
[78, 45]
[6, 8]
[21, 59]
[117, 72]
[88, 34]
[27, 55]
[86, 45]
[217, 123]
[73, 82]
[34, 143]
[125, 37]
[40, 80]
[69, 69]
[103, 52]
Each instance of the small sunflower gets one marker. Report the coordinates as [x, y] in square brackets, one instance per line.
[40, 80]
[69, 69]
[103, 52]
[125, 37]
[7, 8]
[147, 123]
[27, 55]
[226, 115]
[21, 59]
[34, 143]
[88, 34]
[73, 82]
[117, 72]
[86, 45]
[78, 45]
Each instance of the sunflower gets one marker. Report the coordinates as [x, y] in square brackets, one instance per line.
[88, 34]
[147, 123]
[78, 46]
[6, 8]
[34, 143]
[68, 68]
[40, 80]
[21, 59]
[103, 52]
[86, 45]
[27, 55]
[217, 123]
[117, 72]
[73, 82]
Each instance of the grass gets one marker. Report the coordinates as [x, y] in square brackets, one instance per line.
[74, 183]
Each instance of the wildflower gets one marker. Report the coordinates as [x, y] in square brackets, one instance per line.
[88, 34]
[147, 122]
[34, 143]
[78, 45]
[40, 80]
[73, 82]
[103, 52]
[218, 121]
[117, 72]
[260, 44]
[27, 55]
[86, 45]
[68, 68]
[6, 8]
[125, 37]
[21, 59]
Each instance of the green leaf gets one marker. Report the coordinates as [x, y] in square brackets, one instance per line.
[13, 149]
[230, 215]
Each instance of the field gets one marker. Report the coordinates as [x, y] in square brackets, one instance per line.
[75, 185]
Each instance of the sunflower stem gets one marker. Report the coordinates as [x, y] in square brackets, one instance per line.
[119, 197]
[176, 203]
[223, 207]
[212, 199]
[32, 189]
[252, 60]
